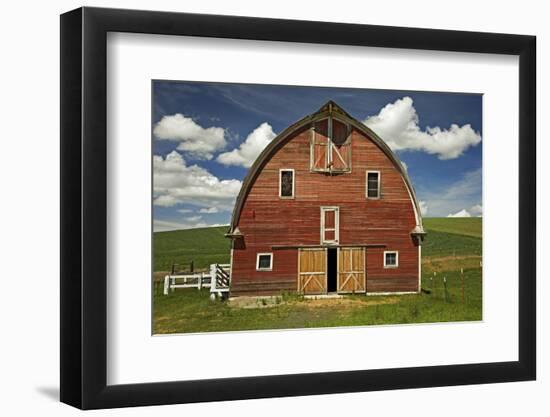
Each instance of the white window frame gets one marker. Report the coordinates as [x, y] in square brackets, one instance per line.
[270, 254]
[293, 183]
[396, 259]
[367, 184]
[336, 240]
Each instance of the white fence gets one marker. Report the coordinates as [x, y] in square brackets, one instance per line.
[218, 280]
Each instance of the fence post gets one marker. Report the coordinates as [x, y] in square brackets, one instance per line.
[213, 278]
[166, 284]
[200, 282]
[445, 287]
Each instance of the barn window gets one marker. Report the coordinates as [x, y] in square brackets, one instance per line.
[330, 225]
[330, 146]
[286, 183]
[264, 261]
[391, 259]
[373, 184]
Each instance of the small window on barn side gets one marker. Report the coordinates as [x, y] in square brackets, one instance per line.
[391, 259]
[286, 183]
[264, 261]
[373, 184]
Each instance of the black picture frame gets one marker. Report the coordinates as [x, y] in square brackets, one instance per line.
[84, 207]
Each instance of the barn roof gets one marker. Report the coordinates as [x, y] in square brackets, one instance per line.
[330, 108]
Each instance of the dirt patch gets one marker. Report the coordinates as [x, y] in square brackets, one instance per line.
[351, 302]
[270, 302]
[255, 302]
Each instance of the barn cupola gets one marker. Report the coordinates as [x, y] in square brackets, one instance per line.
[330, 141]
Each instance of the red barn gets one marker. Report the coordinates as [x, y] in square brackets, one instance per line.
[327, 207]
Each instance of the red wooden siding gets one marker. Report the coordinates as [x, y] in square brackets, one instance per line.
[267, 221]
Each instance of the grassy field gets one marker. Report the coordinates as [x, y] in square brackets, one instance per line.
[451, 244]
[202, 246]
[465, 226]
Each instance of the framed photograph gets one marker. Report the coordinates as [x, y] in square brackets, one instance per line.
[259, 208]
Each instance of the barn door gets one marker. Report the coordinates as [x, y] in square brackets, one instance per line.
[312, 271]
[351, 270]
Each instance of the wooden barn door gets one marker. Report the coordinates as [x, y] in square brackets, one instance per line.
[312, 271]
[351, 270]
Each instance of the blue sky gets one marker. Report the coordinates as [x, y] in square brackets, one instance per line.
[206, 135]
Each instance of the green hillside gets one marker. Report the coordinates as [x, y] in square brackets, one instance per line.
[469, 226]
[202, 246]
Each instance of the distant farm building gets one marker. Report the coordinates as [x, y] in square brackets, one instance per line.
[326, 208]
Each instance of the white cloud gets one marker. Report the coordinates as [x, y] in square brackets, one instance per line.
[461, 213]
[452, 198]
[164, 226]
[184, 211]
[397, 125]
[175, 182]
[248, 151]
[423, 207]
[209, 210]
[476, 210]
[405, 166]
[193, 219]
[197, 141]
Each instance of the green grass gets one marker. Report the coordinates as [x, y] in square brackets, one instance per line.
[451, 244]
[440, 244]
[467, 226]
[203, 246]
[191, 311]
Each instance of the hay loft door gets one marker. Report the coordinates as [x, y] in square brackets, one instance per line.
[312, 271]
[351, 270]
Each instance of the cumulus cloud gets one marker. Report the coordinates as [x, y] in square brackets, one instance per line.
[423, 207]
[474, 211]
[248, 151]
[461, 213]
[198, 142]
[209, 210]
[397, 124]
[175, 182]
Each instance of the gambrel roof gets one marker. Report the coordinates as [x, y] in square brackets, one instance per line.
[328, 109]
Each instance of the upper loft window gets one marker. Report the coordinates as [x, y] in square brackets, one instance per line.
[373, 184]
[330, 146]
[286, 183]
